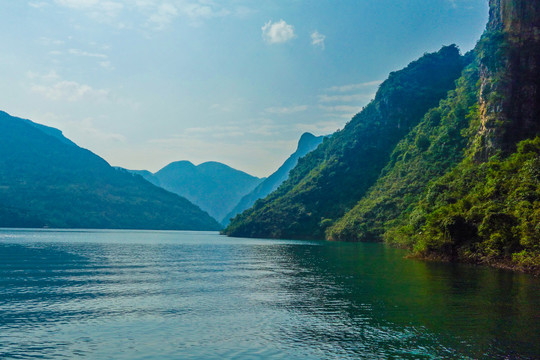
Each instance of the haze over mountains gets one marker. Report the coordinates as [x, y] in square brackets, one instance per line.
[48, 181]
[220, 190]
[214, 187]
[307, 143]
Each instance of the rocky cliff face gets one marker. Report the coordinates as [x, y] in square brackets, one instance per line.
[510, 76]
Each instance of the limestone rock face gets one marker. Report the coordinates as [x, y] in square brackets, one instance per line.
[510, 76]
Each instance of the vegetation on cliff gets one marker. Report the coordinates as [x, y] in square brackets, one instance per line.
[332, 179]
[462, 184]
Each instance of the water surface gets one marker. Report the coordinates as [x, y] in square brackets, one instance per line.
[197, 295]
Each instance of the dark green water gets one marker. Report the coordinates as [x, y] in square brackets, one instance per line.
[187, 295]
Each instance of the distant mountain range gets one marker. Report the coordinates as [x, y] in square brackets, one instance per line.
[46, 180]
[307, 143]
[220, 190]
[214, 187]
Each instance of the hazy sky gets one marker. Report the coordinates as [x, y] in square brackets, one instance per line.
[146, 82]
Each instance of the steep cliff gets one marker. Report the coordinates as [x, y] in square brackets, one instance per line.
[487, 208]
[509, 54]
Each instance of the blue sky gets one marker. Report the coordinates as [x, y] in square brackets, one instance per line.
[146, 82]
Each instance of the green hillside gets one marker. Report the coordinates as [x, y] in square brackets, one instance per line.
[48, 181]
[461, 184]
[332, 179]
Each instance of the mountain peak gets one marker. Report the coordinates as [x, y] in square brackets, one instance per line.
[306, 141]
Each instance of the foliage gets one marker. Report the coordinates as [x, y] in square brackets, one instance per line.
[485, 213]
[427, 152]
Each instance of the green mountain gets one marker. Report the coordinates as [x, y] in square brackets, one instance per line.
[463, 184]
[332, 179]
[214, 187]
[48, 181]
[307, 143]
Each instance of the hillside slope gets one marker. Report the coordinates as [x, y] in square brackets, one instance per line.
[46, 180]
[332, 179]
[307, 143]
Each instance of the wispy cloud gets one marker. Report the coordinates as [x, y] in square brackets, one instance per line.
[37, 4]
[158, 14]
[345, 98]
[344, 101]
[45, 41]
[78, 52]
[98, 9]
[340, 108]
[106, 65]
[286, 110]
[317, 39]
[164, 15]
[278, 32]
[88, 129]
[320, 127]
[352, 87]
[52, 87]
[69, 91]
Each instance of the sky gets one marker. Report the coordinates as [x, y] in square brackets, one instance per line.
[143, 83]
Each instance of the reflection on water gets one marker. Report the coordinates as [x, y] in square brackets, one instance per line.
[189, 295]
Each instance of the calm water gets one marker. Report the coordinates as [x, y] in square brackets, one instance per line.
[192, 295]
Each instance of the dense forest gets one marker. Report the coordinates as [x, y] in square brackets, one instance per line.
[452, 171]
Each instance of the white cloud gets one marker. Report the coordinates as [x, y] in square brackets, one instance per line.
[345, 98]
[317, 39]
[321, 127]
[286, 110]
[52, 87]
[278, 32]
[37, 4]
[45, 41]
[78, 52]
[164, 15]
[77, 4]
[86, 128]
[197, 11]
[106, 65]
[351, 87]
[341, 108]
[260, 126]
[157, 13]
[69, 91]
[50, 76]
[97, 9]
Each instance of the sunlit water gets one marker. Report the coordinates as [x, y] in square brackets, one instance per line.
[192, 295]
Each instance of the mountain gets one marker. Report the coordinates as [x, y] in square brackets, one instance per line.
[307, 143]
[48, 181]
[329, 181]
[463, 183]
[214, 187]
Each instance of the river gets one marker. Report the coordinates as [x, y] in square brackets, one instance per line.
[198, 295]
